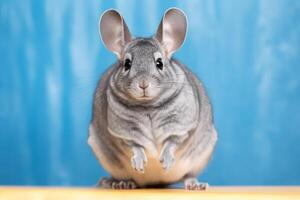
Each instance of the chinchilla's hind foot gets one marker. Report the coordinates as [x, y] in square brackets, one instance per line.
[194, 184]
[110, 183]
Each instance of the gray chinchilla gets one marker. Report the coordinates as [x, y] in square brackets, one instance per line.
[152, 121]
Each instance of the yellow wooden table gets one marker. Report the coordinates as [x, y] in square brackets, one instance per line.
[224, 193]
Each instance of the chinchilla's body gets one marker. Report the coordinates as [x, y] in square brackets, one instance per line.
[152, 120]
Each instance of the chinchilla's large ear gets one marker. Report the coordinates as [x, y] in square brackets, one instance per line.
[114, 31]
[172, 30]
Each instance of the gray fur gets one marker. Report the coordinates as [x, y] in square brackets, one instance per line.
[169, 122]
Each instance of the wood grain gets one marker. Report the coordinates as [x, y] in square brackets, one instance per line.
[224, 193]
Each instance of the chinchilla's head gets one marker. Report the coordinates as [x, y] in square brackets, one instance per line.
[145, 72]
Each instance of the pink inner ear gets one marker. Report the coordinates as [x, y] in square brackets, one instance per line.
[171, 31]
[114, 32]
[127, 34]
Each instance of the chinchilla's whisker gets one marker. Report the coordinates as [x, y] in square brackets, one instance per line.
[175, 82]
[128, 87]
[169, 86]
[188, 91]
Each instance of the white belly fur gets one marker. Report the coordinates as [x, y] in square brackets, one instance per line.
[154, 173]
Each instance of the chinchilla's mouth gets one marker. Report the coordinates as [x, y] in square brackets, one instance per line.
[144, 97]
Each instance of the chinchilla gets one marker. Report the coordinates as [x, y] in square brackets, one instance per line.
[152, 121]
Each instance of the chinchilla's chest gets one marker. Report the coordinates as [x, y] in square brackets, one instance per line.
[134, 125]
[150, 127]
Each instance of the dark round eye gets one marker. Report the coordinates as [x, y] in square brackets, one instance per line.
[159, 64]
[127, 64]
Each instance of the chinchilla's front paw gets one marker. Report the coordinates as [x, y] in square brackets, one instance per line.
[139, 160]
[167, 159]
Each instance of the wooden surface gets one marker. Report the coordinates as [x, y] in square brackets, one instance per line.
[232, 193]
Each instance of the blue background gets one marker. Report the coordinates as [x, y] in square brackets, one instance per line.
[246, 52]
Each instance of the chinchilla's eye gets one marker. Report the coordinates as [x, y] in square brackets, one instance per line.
[127, 64]
[159, 64]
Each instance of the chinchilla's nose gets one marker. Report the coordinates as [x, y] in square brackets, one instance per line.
[143, 84]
